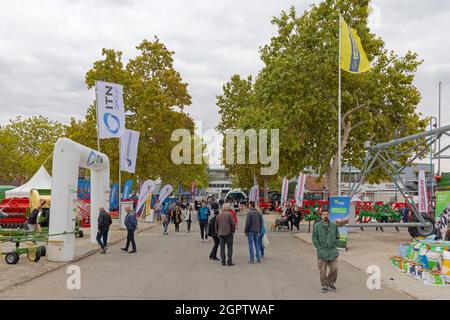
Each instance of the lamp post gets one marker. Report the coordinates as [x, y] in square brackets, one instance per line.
[431, 160]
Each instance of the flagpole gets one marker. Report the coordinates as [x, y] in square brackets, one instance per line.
[96, 114]
[120, 176]
[339, 109]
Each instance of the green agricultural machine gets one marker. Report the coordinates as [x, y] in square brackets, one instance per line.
[29, 241]
[33, 251]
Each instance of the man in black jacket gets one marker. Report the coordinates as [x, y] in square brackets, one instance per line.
[104, 221]
[32, 219]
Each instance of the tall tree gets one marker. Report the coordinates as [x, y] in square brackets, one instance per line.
[28, 144]
[297, 88]
[155, 97]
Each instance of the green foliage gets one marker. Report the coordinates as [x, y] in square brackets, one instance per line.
[26, 144]
[154, 97]
[297, 89]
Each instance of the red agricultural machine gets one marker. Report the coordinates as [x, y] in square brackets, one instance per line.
[17, 210]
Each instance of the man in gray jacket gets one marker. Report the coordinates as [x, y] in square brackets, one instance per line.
[252, 230]
[225, 227]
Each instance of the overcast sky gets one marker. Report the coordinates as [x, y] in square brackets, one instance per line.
[46, 47]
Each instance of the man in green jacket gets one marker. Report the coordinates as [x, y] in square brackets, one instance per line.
[325, 239]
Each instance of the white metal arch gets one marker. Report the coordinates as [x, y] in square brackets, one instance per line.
[68, 157]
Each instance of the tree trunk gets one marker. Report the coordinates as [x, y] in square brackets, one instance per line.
[266, 189]
[332, 174]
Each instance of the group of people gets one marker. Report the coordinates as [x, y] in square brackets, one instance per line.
[292, 215]
[219, 222]
[222, 227]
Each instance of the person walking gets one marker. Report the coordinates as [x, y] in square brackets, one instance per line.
[225, 227]
[212, 232]
[104, 221]
[131, 225]
[158, 211]
[176, 217]
[203, 214]
[166, 221]
[262, 233]
[189, 216]
[253, 230]
[325, 239]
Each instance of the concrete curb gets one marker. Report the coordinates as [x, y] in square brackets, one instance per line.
[358, 268]
[63, 264]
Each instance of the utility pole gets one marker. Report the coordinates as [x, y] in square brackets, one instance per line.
[439, 124]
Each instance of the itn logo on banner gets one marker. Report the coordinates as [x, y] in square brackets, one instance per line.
[238, 143]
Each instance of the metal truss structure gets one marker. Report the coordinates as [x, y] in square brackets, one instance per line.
[382, 156]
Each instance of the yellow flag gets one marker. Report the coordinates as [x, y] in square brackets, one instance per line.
[353, 57]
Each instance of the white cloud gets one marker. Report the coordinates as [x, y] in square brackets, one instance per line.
[46, 47]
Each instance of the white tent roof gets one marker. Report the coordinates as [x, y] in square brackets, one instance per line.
[40, 180]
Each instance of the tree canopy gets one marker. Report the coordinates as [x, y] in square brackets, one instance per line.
[154, 97]
[26, 145]
[297, 90]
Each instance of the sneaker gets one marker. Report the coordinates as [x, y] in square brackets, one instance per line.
[124, 249]
[259, 261]
[251, 262]
[223, 263]
[132, 251]
[324, 289]
[230, 264]
[332, 288]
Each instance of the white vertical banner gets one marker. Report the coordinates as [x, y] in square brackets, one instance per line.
[254, 194]
[300, 189]
[110, 110]
[128, 150]
[422, 189]
[165, 192]
[147, 188]
[284, 190]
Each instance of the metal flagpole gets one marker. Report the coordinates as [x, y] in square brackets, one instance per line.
[120, 177]
[439, 124]
[339, 109]
[97, 120]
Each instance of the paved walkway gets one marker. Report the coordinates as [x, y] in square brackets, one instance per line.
[177, 267]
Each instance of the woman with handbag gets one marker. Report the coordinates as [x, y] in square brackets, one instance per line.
[263, 241]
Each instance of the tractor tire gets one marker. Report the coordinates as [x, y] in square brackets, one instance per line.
[422, 231]
[43, 251]
[38, 256]
[12, 258]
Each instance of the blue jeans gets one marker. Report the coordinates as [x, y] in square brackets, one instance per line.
[165, 225]
[254, 244]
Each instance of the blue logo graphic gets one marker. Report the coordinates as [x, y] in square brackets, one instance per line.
[356, 57]
[113, 130]
[91, 159]
[129, 162]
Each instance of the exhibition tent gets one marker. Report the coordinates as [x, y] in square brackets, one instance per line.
[40, 181]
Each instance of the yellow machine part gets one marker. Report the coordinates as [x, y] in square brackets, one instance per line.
[36, 200]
